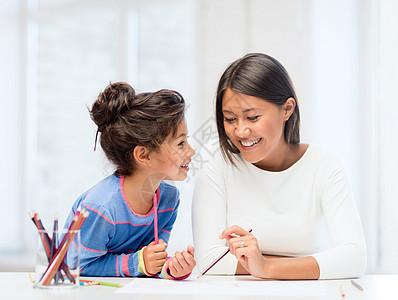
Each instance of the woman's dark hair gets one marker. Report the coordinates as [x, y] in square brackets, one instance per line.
[261, 76]
[126, 120]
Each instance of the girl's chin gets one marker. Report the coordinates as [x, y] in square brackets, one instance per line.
[180, 176]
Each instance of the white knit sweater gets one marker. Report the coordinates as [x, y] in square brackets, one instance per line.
[307, 209]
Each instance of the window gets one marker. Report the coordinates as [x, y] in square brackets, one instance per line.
[71, 51]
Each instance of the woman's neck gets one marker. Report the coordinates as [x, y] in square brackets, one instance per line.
[283, 158]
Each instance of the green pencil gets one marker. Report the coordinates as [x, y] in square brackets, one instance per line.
[109, 284]
[94, 282]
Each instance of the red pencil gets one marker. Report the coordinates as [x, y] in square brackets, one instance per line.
[63, 248]
[43, 234]
[47, 243]
[217, 260]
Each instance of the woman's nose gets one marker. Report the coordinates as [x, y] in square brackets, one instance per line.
[242, 129]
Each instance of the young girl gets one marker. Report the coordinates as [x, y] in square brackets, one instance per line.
[132, 212]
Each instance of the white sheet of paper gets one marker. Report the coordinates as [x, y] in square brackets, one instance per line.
[224, 287]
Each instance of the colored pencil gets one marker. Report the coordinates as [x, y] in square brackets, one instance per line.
[341, 292]
[217, 260]
[354, 283]
[63, 247]
[54, 245]
[61, 252]
[95, 282]
[155, 217]
[47, 244]
[54, 239]
[109, 284]
[43, 234]
[58, 257]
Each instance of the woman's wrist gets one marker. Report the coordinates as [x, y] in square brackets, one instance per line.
[267, 268]
[291, 268]
[263, 270]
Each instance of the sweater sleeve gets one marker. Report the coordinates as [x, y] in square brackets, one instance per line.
[164, 234]
[95, 260]
[209, 219]
[347, 257]
[165, 231]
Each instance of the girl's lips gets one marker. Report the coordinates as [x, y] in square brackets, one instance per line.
[185, 167]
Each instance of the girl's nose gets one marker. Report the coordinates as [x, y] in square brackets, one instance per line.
[191, 152]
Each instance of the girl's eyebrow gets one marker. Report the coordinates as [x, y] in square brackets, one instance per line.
[182, 135]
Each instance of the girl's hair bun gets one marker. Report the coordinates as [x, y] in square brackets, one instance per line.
[116, 98]
[126, 120]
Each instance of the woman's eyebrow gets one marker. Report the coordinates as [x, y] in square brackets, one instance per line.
[244, 111]
[250, 109]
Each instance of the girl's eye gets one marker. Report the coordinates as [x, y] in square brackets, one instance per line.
[253, 118]
[182, 143]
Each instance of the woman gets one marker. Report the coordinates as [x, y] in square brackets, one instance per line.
[295, 197]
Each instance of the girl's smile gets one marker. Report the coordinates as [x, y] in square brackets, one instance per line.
[174, 155]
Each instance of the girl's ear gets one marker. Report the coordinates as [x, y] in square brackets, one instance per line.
[141, 156]
[288, 108]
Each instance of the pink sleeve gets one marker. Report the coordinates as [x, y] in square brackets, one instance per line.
[167, 275]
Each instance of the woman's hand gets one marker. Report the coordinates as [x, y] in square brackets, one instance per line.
[244, 246]
[182, 263]
[155, 256]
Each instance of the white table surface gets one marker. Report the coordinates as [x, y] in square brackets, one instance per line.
[15, 285]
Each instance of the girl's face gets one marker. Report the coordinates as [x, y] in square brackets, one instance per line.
[174, 155]
[254, 126]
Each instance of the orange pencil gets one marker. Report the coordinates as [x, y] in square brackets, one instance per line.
[47, 244]
[341, 292]
[61, 251]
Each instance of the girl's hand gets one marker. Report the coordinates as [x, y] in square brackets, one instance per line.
[244, 246]
[182, 263]
[155, 256]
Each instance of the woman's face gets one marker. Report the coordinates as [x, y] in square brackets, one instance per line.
[254, 126]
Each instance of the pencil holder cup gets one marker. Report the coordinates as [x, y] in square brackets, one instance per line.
[58, 259]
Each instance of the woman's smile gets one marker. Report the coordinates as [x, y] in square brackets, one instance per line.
[254, 126]
[249, 144]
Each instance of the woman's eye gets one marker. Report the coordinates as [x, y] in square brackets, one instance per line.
[229, 119]
[253, 118]
[182, 143]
